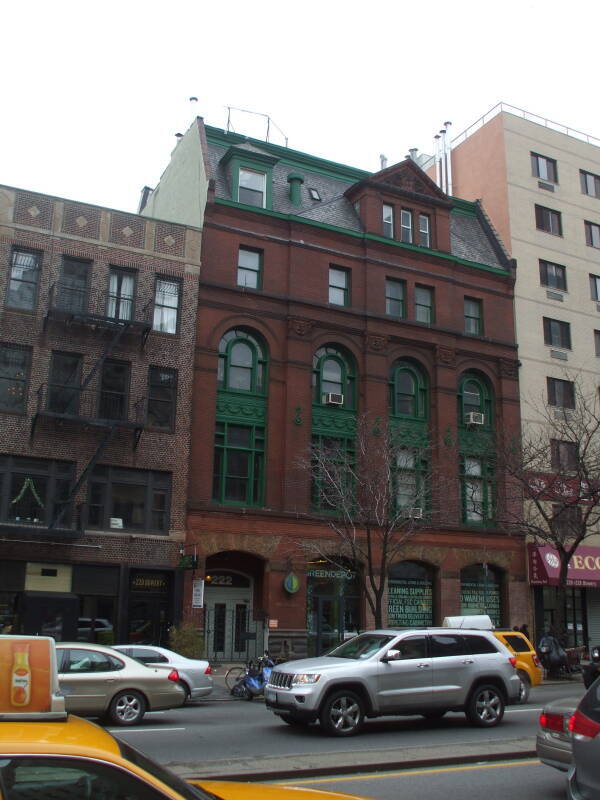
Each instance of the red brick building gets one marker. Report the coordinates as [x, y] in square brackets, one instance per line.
[327, 292]
[97, 329]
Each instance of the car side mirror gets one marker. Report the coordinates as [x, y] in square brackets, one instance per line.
[391, 655]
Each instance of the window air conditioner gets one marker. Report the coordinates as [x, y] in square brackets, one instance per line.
[415, 513]
[333, 399]
[563, 413]
[474, 418]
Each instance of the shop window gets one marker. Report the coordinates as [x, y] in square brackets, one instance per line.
[332, 603]
[242, 362]
[410, 595]
[162, 395]
[408, 391]
[129, 499]
[24, 279]
[333, 377]
[15, 362]
[167, 302]
[480, 592]
[121, 291]
[238, 464]
[34, 492]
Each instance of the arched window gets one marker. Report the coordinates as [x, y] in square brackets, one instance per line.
[480, 591]
[408, 391]
[410, 595]
[242, 362]
[333, 377]
[475, 397]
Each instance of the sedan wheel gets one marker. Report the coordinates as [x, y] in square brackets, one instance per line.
[127, 708]
[524, 687]
[486, 707]
[342, 714]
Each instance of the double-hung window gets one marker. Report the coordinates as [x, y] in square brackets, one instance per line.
[162, 394]
[339, 286]
[557, 333]
[554, 276]
[238, 464]
[73, 287]
[23, 280]
[424, 309]
[166, 305]
[406, 226]
[544, 168]
[561, 394]
[252, 188]
[395, 292]
[121, 288]
[592, 234]
[14, 374]
[388, 221]
[424, 232]
[130, 499]
[64, 384]
[548, 220]
[114, 390]
[590, 183]
[564, 455]
[473, 317]
[407, 479]
[249, 268]
[595, 287]
[477, 491]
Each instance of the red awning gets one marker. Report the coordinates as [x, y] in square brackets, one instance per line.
[544, 566]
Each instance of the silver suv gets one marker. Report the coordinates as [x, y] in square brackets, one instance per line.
[424, 672]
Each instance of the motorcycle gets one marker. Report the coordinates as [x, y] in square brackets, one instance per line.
[553, 657]
[253, 683]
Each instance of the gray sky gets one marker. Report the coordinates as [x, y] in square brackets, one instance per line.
[94, 92]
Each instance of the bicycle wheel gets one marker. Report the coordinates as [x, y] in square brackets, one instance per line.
[233, 675]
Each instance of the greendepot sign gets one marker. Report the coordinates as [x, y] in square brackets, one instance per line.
[291, 583]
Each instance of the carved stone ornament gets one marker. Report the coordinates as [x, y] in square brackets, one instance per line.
[509, 368]
[446, 356]
[377, 343]
[301, 327]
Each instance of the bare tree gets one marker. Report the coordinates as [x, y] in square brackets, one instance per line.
[554, 470]
[375, 490]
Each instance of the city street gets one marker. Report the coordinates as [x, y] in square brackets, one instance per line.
[223, 736]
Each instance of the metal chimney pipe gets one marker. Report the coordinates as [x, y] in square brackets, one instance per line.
[443, 160]
[438, 172]
[448, 125]
[413, 153]
[383, 161]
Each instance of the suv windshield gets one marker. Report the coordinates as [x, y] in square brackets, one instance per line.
[361, 646]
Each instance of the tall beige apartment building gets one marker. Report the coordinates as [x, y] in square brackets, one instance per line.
[539, 183]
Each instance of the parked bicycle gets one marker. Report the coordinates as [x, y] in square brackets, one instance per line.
[252, 683]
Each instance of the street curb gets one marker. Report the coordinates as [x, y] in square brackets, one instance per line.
[269, 768]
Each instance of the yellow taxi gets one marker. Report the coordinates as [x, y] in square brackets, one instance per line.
[528, 665]
[46, 754]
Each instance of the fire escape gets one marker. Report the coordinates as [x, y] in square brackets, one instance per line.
[116, 320]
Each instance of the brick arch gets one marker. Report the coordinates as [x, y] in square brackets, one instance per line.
[335, 338]
[485, 370]
[257, 545]
[499, 560]
[264, 330]
[429, 556]
[421, 360]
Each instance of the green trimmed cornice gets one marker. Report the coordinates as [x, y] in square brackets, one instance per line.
[333, 421]
[248, 156]
[233, 407]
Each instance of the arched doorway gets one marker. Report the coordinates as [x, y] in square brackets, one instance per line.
[410, 595]
[481, 591]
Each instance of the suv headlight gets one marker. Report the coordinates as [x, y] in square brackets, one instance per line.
[305, 678]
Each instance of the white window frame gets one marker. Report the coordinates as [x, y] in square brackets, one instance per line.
[388, 220]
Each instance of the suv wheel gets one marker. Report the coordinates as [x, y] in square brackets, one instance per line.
[524, 687]
[342, 714]
[485, 707]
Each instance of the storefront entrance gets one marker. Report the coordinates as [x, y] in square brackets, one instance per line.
[231, 632]
[150, 607]
[333, 612]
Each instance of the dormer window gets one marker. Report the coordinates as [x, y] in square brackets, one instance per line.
[314, 194]
[406, 229]
[252, 187]
[388, 221]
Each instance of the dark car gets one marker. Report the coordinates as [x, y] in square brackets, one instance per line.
[584, 773]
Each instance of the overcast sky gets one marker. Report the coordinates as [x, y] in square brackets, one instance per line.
[94, 92]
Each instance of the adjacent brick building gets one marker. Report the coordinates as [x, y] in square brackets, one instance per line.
[327, 292]
[97, 330]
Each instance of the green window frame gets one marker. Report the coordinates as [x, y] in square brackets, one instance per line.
[333, 373]
[395, 298]
[252, 187]
[424, 304]
[475, 396]
[477, 490]
[340, 457]
[339, 286]
[242, 363]
[473, 316]
[408, 391]
[249, 273]
[238, 468]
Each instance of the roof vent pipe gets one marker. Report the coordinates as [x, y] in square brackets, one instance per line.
[383, 161]
[438, 172]
[413, 152]
[447, 126]
[295, 181]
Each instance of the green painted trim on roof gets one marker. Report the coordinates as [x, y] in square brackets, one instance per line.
[461, 206]
[361, 235]
[288, 156]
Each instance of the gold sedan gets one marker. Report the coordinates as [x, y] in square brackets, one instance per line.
[99, 681]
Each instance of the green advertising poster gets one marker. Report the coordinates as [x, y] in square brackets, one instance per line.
[410, 603]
